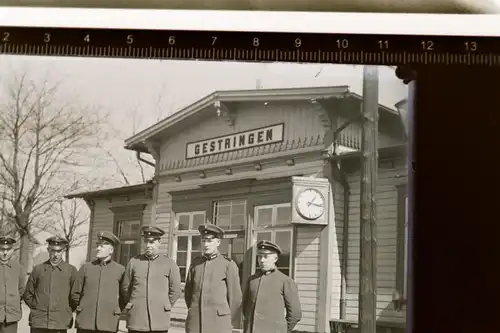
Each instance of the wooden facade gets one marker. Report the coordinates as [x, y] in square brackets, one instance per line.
[121, 211]
[248, 192]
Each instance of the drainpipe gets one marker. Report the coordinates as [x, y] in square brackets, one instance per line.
[143, 160]
[345, 241]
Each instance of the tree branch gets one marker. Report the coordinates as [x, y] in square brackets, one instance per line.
[42, 140]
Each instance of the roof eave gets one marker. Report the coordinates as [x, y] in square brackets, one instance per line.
[110, 191]
[401, 103]
[139, 147]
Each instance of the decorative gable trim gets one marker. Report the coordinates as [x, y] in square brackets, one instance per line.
[243, 155]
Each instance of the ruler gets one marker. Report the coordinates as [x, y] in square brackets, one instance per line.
[251, 46]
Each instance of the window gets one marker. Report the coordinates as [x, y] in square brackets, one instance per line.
[402, 248]
[230, 214]
[127, 220]
[187, 241]
[273, 223]
[130, 243]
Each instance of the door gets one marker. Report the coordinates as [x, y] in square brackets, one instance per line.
[233, 246]
[230, 215]
[130, 240]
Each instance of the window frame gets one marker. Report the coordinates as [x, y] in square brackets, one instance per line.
[137, 238]
[401, 292]
[189, 233]
[127, 212]
[273, 228]
[215, 206]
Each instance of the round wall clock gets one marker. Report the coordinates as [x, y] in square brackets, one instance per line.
[310, 204]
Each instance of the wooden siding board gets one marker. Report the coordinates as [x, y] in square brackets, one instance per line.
[103, 218]
[297, 119]
[307, 273]
[386, 250]
[164, 215]
[103, 221]
[336, 261]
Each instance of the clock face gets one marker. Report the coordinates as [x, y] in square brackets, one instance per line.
[310, 204]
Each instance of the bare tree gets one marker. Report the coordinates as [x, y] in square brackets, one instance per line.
[73, 217]
[70, 216]
[128, 169]
[43, 140]
[130, 166]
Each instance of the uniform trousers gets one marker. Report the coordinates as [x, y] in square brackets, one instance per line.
[46, 330]
[8, 327]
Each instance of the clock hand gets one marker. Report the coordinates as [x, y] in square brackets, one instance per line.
[315, 204]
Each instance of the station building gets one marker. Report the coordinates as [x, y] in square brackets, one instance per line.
[247, 161]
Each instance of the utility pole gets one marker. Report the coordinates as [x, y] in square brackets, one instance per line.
[367, 305]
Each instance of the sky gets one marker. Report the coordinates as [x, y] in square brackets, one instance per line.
[137, 93]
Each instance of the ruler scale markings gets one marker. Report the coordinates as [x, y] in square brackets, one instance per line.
[317, 48]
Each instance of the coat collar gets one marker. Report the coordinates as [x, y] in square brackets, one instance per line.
[7, 263]
[151, 258]
[48, 265]
[98, 262]
[269, 272]
[211, 256]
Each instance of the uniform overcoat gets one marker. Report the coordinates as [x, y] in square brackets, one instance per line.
[12, 282]
[151, 287]
[97, 295]
[271, 303]
[213, 295]
[48, 295]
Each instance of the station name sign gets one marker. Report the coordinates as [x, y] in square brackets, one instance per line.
[242, 140]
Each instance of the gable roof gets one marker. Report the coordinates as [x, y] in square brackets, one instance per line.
[136, 142]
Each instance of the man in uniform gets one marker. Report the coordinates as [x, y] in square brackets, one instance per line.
[48, 291]
[212, 292]
[270, 302]
[151, 285]
[97, 289]
[12, 280]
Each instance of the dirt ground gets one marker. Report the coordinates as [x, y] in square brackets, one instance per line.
[24, 327]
